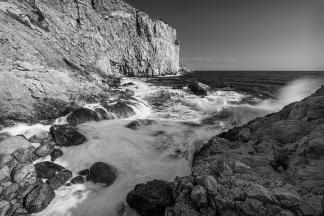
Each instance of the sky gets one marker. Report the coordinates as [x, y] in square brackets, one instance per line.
[245, 34]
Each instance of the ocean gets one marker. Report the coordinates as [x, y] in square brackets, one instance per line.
[181, 123]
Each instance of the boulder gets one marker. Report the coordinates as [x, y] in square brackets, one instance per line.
[82, 115]
[4, 174]
[84, 172]
[77, 180]
[209, 183]
[256, 191]
[66, 135]
[5, 159]
[44, 150]
[8, 146]
[55, 154]
[104, 114]
[151, 198]
[39, 198]
[287, 199]
[59, 179]
[39, 137]
[102, 173]
[9, 192]
[25, 155]
[47, 169]
[24, 174]
[121, 110]
[199, 196]
[199, 88]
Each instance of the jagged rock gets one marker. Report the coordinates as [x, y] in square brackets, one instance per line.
[55, 154]
[198, 88]
[47, 169]
[102, 173]
[24, 174]
[25, 155]
[9, 192]
[44, 150]
[151, 198]
[183, 69]
[82, 115]
[121, 110]
[39, 198]
[8, 146]
[312, 206]
[65, 135]
[258, 192]
[4, 174]
[199, 195]
[59, 179]
[209, 183]
[77, 180]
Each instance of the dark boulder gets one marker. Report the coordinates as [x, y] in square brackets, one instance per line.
[82, 115]
[102, 173]
[104, 115]
[77, 180]
[128, 84]
[84, 172]
[121, 110]
[151, 198]
[44, 150]
[47, 169]
[66, 135]
[134, 125]
[55, 154]
[39, 198]
[59, 179]
[198, 88]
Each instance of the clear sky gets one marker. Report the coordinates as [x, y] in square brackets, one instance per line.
[245, 34]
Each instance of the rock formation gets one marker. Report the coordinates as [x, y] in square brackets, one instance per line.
[273, 165]
[54, 53]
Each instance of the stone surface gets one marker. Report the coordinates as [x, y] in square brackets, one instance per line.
[8, 146]
[84, 172]
[4, 207]
[47, 169]
[52, 53]
[199, 195]
[77, 180]
[121, 110]
[44, 150]
[39, 137]
[82, 115]
[25, 155]
[55, 154]
[198, 88]
[4, 174]
[39, 198]
[151, 198]
[102, 173]
[65, 135]
[24, 174]
[59, 179]
[9, 192]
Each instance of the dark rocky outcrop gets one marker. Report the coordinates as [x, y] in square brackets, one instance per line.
[77, 180]
[121, 110]
[270, 166]
[82, 115]
[151, 198]
[199, 88]
[66, 135]
[59, 179]
[102, 173]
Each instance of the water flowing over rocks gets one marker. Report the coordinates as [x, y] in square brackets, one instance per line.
[270, 166]
[55, 55]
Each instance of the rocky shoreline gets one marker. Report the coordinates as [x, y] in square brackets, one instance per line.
[273, 165]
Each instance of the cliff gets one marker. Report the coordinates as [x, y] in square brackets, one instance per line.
[273, 165]
[53, 51]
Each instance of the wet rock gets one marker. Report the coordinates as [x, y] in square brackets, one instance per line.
[47, 169]
[24, 174]
[59, 179]
[198, 88]
[55, 154]
[134, 125]
[44, 150]
[5, 159]
[121, 110]
[39, 137]
[82, 115]
[151, 198]
[65, 135]
[4, 207]
[25, 190]
[4, 174]
[102, 173]
[287, 199]
[9, 192]
[199, 195]
[129, 84]
[77, 180]
[39, 198]
[104, 114]
[25, 155]
[8, 146]
[84, 172]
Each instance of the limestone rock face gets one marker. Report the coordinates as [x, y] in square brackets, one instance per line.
[53, 52]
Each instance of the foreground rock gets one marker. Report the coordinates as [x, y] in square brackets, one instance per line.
[11, 144]
[66, 135]
[270, 166]
[39, 198]
[102, 173]
[199, 88]
[151, 198]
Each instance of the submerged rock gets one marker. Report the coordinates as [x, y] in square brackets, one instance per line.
[39, 198]
[82, 115]
[151, 198]
[102, 173]
[199, 88]
[121, 110]
[66, 135]
[105, 115]
[55, 154]
[134, 125]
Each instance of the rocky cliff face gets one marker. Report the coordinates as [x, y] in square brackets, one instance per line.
[271, 166]
[61, 49]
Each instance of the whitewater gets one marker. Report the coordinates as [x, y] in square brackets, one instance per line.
[181, 123]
